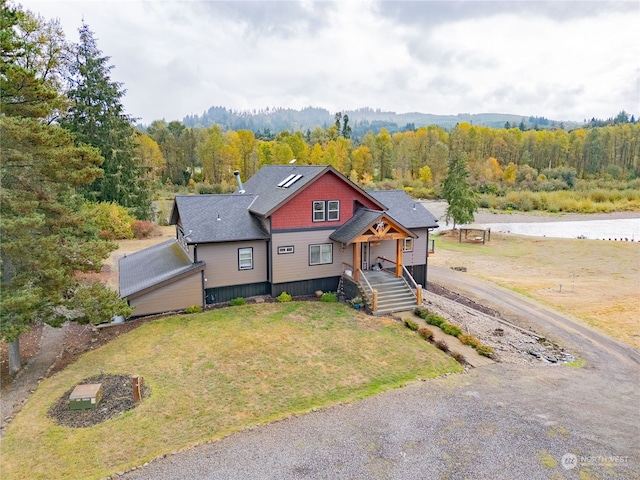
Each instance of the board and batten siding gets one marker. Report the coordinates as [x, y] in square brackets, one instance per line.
[176, 295]
[290, 267]
[222, 263]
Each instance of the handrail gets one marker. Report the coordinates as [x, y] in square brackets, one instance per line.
[362, 275]
[415, 284]
[386, 259]
[344, 270]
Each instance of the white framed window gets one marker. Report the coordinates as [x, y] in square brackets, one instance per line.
[408, 245]
[285, 250]
[318, 211]
[245, 258]
[333, 210]
[326, 210]
[321, 254]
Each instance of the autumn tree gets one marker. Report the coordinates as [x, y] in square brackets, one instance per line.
[96, 117]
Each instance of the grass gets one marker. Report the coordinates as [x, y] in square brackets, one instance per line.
[215, 373]
[600, 278]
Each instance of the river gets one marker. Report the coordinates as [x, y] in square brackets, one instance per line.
[618, 226]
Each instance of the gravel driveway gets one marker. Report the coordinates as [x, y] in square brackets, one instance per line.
[502, 421]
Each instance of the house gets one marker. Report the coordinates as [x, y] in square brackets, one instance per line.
[290, 228]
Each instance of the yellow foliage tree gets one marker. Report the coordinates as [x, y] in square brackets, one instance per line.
[425, 174]
[510, 173]
[493, 170]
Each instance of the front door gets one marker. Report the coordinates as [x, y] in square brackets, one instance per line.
[365, 256]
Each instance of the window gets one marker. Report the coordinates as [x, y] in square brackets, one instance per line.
[408, 245]
[320, 254]
[326, 210]
[245, 258]
[285, 250]
[318, 211]
[333, 210]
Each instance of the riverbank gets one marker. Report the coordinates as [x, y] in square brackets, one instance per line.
[439, 208]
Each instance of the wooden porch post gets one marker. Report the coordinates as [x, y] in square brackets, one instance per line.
[419, 295]
[356, 261]
[399, 244]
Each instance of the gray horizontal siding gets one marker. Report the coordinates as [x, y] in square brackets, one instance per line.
[295, 266]
[173, 296]
[222, 263]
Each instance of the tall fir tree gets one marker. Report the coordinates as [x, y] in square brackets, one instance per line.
[456, 190]
[45, 242]
[97, 117]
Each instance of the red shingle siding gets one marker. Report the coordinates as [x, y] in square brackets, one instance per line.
[298, 212]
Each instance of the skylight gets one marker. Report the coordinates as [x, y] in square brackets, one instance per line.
[290, 180]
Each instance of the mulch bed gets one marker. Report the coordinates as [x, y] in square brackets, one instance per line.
[117, 398]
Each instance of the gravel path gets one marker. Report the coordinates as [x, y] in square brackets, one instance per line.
[28, 378]
[501, 421]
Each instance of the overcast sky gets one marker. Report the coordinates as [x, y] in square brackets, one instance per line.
[564, 60]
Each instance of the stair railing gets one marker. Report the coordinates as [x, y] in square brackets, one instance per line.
[374, 292]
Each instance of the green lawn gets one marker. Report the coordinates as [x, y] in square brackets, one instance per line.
[215, 373]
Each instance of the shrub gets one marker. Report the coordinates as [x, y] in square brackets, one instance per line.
[469, 340]
[142, 229]
[411, 325]
[237, 302]
[421, 312]
[451, 329]
[284, 297]
[436, 320]
[459, 357]
[485, 350]
[425, 333]
[442, 345]
[329, 297]
[193, 309]
[110, 217]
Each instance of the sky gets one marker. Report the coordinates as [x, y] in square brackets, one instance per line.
[563, 60]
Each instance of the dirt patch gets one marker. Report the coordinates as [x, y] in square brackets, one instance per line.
[29, 344]
[117, 398]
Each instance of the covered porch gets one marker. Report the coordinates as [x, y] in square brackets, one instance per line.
[384, 282]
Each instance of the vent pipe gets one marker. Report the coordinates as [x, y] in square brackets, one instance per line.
[237, 174]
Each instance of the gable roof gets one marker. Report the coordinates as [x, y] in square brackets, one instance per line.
[405, 210]
[199, 215]
[264, 183]
[151, 266]
[361, 221]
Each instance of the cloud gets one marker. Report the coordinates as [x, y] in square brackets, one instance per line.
[564, 60]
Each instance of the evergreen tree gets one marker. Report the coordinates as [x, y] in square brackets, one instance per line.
[97, 118]
[44, 240]
[457, 192]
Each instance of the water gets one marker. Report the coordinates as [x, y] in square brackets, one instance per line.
[619, 229]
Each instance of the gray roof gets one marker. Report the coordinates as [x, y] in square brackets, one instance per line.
[404, 210]
[153, 265]
[199, 215]
[265, 182]
[359, 223]
[356, 225]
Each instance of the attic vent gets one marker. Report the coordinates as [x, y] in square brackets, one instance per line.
[290, 180]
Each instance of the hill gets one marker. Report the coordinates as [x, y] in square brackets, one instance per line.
[269, 121]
